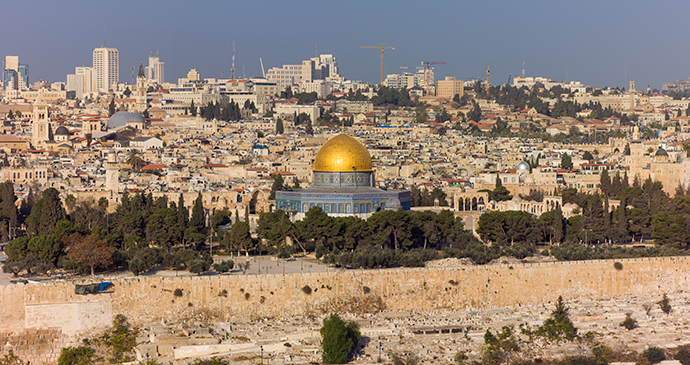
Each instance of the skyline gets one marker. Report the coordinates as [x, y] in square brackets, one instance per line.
[599, 44]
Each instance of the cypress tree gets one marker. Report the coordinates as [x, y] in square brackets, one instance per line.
[192, 108]
[182, 214]
[558, 224]
[279, 126]
[197, 220]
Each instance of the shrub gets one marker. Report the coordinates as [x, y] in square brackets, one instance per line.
[197, 266]
[224, 266]
[460, 358]
[212, 361]
[137, 266]
[121, 339]
[366, 289]
[408, 359]
[629, 322]
[683, 355]
[306, 289]
[618, 266]
[81, 355]
[559, 326]
[177, 292]
[654, 355]
[223, 293]
[246, 296]
[338, 339]
[665, 304]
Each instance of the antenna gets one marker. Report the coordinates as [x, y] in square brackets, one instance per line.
[232, 70]
[262, 67]
[132, 74]
[243, 66]
[316, 49]
[104, 44]
[523, 69]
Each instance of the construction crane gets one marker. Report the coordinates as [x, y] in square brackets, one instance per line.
[381, 47]
[427, 73]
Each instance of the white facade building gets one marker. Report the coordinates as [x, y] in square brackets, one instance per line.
[155, 70]
[106, 66]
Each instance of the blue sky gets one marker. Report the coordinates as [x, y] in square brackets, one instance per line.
[591, 41]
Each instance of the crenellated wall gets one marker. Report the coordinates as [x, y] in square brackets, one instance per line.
[27, 309]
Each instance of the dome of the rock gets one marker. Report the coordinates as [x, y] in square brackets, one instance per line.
[342, 153]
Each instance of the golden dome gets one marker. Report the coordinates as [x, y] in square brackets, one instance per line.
[342, 153]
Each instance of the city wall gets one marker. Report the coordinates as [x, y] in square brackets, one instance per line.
[47, 316]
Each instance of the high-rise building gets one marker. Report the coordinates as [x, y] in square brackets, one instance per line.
[156, 70]
[316, 68]
[106, 68]
[449, 87]
[81, 82]
[15, 76]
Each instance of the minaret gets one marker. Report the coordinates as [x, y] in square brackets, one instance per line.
[631, 92]
[488, 84]
[112, 175]
[41, 121]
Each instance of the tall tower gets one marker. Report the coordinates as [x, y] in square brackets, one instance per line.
[631, 92]
[488, 82]
[112, 175]
[106, 68]
[156, 70]
[40, 122]
[141, 89]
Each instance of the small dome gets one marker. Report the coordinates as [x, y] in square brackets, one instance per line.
[61, 131]
[523, 166]
[342, 153]
[661, 152]
[120, 119]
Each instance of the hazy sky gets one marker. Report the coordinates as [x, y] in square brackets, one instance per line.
[594, 42]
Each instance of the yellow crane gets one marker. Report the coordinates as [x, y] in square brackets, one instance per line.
[381, 47]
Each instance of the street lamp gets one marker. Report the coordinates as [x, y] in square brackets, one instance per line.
[262, 355]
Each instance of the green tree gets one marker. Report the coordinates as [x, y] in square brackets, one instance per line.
[46, 213]
[78, 355]
[197, 219]
[279, 126]
[559, 326]
[566, 161]
[103, 203]
[8, 209]
[239, 238]
[278, 184]
[587, 156]
[192, 108]
[309, 129]
[338, 339]
[558, 231]
[111, 107]
[134, 160]
[670, 229]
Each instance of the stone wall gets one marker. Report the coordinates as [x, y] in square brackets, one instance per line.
[53, 305]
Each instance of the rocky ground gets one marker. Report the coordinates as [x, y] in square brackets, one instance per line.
[433, 337]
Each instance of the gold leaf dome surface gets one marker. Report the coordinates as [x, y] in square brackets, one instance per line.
[342, 153]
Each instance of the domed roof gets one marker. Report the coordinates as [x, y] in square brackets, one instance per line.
[661, 152]
[61, 131]
[120, 119]
[342, 153]
[523, 166]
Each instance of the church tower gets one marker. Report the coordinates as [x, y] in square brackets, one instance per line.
[41, 122]
[141, 89]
